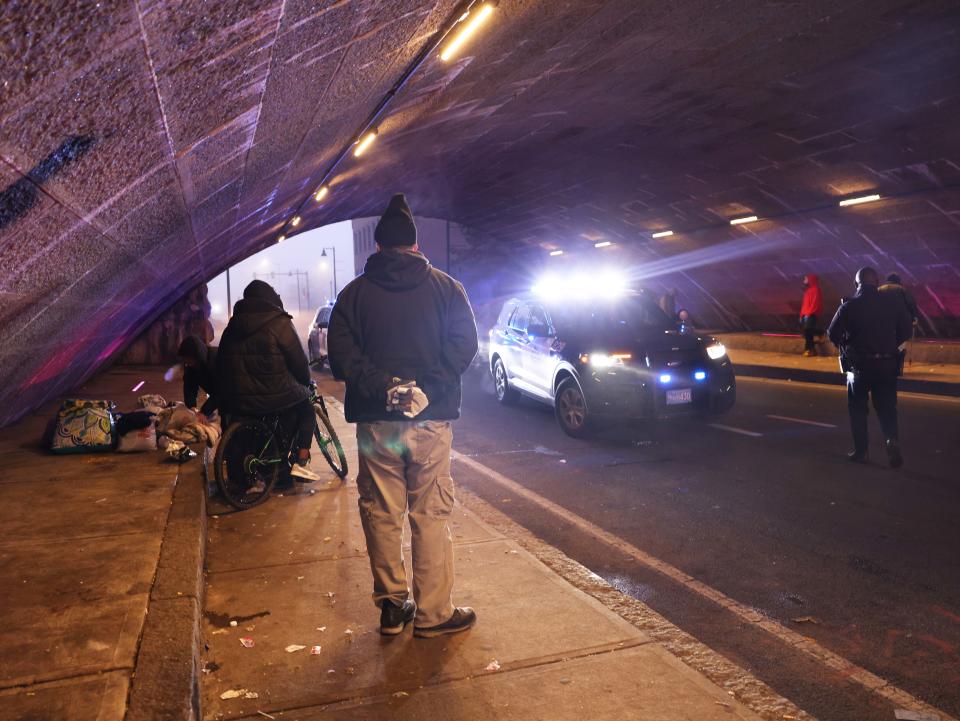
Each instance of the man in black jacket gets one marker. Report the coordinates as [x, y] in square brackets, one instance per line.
[262, 368]
[869, 330]
[199, 372]
[401, 335]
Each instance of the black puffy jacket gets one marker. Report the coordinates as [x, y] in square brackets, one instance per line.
[402, 318]
[261, 364]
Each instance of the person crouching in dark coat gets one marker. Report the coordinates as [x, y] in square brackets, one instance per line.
[263, 370]
[869, 330]
[199, 373]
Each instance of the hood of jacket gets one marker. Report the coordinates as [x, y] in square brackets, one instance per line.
[252, 314]
[812, 280]
[397, 270]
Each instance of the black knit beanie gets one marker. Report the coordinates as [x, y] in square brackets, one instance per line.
[396, 228]
[260, 290]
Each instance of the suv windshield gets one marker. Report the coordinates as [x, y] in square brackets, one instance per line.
[623, 316]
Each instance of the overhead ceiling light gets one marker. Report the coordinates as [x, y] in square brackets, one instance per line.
[321, 193]
[295, 221]
[663, 234]
[281, 238]
[471, 21]
[364, 143]
[556, 252]
[857, 201]
[603, 244]
[741, 221]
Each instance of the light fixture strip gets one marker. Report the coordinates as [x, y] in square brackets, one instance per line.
[556, 252]
[364, 143]
[603, 244]
[663, 234]
[741, 221]
[858, 201]
[471, 21]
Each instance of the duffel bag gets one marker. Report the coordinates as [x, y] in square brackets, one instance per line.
[84, 427]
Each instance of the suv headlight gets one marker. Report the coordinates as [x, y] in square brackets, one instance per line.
[716, 351]
[605, 360]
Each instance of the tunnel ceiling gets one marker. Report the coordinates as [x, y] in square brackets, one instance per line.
[146, 145]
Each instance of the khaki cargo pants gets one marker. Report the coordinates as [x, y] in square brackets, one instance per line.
[405, 468]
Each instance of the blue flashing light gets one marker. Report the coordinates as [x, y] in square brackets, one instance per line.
[665, 377]
[700, 375]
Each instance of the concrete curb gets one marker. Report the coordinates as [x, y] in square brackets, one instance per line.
[165, 682]
[911, 385]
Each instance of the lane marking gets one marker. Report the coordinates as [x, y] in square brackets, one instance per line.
[801, 420]
[843, 389]
[802, 644]
[733, 429]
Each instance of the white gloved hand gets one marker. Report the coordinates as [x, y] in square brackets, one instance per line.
[407, 398]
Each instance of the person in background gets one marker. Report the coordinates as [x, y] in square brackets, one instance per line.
[401, 335]
[668, 303]
[895, 285]
[869, 329]
[810, 309]
[262, 369]
[199, 373]
[684, 322]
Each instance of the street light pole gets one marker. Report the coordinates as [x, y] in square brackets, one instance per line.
[324, 255]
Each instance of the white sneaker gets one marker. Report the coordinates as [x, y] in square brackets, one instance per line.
[304, 472]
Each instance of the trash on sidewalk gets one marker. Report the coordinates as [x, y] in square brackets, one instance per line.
[218, 631]
[233, 624]
[266, 715]
[401, 694]
[807, 619]
[315, 650]
[908, 715]
[238, 693]
[246, 641]
[321, 628]
[493, 666]
[294, 647]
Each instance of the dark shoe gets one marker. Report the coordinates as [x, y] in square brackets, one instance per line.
[393, 617]
[463, 618]
[893, 453]
[857, 456]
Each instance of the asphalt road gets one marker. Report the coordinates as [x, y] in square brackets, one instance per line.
[766, 510]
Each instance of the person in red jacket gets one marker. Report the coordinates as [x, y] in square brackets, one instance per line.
[810, 309]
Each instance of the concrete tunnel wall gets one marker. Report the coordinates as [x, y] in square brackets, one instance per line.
[147, 145]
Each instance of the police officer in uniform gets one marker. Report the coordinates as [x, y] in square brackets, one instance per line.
[869, 329]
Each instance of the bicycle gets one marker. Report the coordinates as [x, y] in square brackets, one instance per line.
[248, 461]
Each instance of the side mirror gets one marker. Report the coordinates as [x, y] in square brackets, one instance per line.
[538, 330]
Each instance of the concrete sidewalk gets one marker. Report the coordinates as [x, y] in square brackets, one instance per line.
[293, 574]
[91, 543]
[761, 355]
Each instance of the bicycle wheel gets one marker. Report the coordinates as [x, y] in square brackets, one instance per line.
[329, 443]
[247, 463]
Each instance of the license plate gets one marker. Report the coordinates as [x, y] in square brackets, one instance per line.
[678, 396]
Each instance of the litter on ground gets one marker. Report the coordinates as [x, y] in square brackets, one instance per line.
[233, 624]
[908, 715]
[238, 693]
[247, 642]
[493, 666]
[315, 650]
[294, 647]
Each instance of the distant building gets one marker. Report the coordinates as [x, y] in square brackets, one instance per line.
[432, 237]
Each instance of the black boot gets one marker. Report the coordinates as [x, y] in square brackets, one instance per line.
[893, 453]
[856, 456]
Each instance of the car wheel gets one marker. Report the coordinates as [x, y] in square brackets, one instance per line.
[571, 409]
[501, 384]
